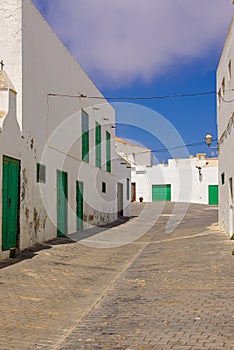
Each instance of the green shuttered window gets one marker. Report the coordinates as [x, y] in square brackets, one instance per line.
[98, 146]
[108, 151]
[85, 136]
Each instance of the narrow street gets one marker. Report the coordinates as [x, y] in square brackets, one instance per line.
[161, 291]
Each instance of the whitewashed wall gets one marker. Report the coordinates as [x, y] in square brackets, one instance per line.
[226, 132]
[11, 46]
[183, 176]
[135, 154]
[49, 68]
[10, 139]
[51, 125]
[122, 173]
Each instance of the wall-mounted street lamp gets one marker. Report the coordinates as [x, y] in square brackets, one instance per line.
[209, 139]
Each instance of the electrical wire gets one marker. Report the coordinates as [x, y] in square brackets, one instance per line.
[161, 150]
[145, 98]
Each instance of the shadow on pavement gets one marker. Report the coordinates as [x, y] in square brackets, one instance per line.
[31, 252]
[84, 234]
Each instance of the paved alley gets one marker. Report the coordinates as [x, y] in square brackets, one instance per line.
[168, 287]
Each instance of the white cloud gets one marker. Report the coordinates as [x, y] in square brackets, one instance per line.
[122, 40]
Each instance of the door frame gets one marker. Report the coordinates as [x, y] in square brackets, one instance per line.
[62, 196]
[133, 192]
[230, 196]
[79, 205]
[120, 202]
[6, 245]
[209, 194]
[167, 187]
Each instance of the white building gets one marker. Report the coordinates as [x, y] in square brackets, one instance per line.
[57, 167]
[192, 180]
[225, 119]
[133, 153]
[181, 180]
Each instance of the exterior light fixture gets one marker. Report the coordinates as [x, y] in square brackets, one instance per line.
[208, 139]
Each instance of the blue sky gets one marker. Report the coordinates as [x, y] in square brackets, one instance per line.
[146, 48]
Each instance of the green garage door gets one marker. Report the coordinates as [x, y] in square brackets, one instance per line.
[161, 192]
[213, 194]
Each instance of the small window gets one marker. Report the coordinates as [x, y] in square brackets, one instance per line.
[201, 156]
[41, 173]
[229, 70]
[140, 172]
[222, 178]
[103, 187]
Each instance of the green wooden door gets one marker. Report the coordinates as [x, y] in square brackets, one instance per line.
[62, 204]
[79, 205]
[161, 193]
[10, 202]
[213, 194]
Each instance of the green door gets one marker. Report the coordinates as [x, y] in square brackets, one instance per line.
[213, 194]
[62, 204]
[10, 202]
[79, 205]
[161, 193]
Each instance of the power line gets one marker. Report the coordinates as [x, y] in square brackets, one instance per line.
[161, 150]
[195, 144]
[145, 98]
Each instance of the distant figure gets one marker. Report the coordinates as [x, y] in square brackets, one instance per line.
[141, 199]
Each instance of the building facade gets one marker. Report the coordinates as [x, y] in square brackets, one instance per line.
[225, 120]
[57, 147]
[133, 153]
[192, 180]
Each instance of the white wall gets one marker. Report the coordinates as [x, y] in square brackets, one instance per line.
[11, 45]
[51, 126]
[226, 133]
[122, 173]
[49, 68]
[135, 154]
[183, 176]
[10, 143]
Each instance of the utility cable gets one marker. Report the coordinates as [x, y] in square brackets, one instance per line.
[145, 98]
[160, 150]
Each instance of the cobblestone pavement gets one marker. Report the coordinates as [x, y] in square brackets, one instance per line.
[162, 291]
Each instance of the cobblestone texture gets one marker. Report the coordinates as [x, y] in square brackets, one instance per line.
[163, 291]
